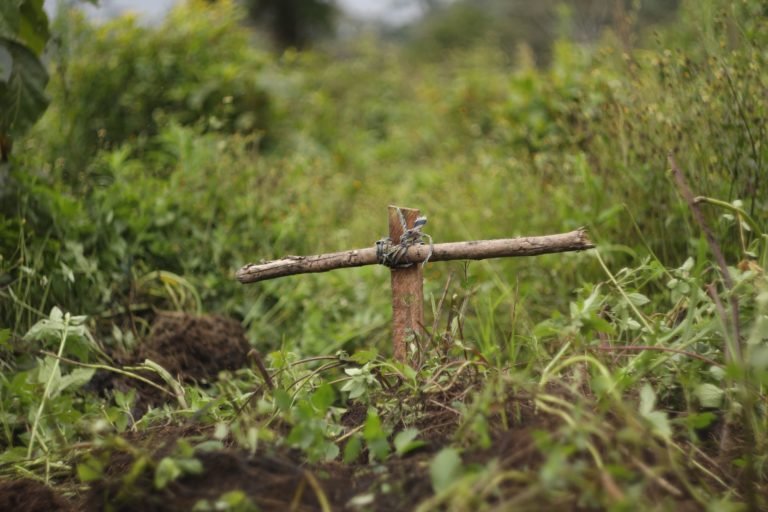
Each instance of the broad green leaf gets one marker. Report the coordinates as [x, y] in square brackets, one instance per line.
[221, 431]
[660, 422]
[125, 399]
[717, 372]
[282, 399]
[331, 451]
[10, 18]
[700, 420]
[647, 399]
[375, 436]
[638, 299]
[364, 356]
[209, 446]
[15, 454]
[190, 465]
[76, 378]
[372, 429]
[56, 315]
[22, 93]
[167, 471]
[599, 324]
[445, 468]
[26, 22]
[352, 449]
[758, 358]
[323, 398]
[46, 368]
[709, 395]
[33, 28]
[657, 419]
[90, 469]
[759, 330]
[356, 388]
[184, 449]
[406, 441]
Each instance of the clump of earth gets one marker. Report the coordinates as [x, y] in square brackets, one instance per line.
[195, 348]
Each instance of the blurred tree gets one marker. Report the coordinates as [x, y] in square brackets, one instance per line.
[294, 23]
[508, 23]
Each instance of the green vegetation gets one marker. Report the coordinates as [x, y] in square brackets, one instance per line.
[628, 377]
[23, 35]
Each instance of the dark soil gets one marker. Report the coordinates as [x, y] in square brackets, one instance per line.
[30, 496]
[196, 348]
[191, 348]
[275, 479]
[279, 479]
[270, 482]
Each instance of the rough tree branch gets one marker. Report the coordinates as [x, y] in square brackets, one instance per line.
[476, 250]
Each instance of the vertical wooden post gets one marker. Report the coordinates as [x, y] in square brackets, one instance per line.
[407, 289]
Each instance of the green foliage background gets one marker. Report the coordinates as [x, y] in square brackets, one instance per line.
[182, 148]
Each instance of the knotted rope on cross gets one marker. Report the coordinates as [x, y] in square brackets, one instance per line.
[390, 254]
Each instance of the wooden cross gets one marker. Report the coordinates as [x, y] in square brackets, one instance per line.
[407, 290]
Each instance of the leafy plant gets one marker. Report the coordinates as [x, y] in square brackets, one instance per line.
[23, 35]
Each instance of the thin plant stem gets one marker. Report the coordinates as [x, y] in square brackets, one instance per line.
[48, 385]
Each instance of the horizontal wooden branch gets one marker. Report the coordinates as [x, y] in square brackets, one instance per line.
[477, 250]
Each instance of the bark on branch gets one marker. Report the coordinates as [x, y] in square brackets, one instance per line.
[476, 250]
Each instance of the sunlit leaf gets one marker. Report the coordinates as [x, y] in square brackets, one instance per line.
[709, 395]
[33, 28]
[166, 471]
[759, 331]
[647, 399]
[406, 441]
[364, 356]
[638, 299]
[189, 465]
[77, 378]
[445, 468]
[26, 22]
[660, 422]
[362, 500]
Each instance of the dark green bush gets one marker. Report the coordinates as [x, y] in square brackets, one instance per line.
[121, 82]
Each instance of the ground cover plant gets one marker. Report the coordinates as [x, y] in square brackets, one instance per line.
[137, 373]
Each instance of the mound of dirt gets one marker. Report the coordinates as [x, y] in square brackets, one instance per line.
[30, 496]
[196, 348]
[191, 348]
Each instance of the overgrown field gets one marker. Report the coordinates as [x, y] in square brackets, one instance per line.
[137, 374]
